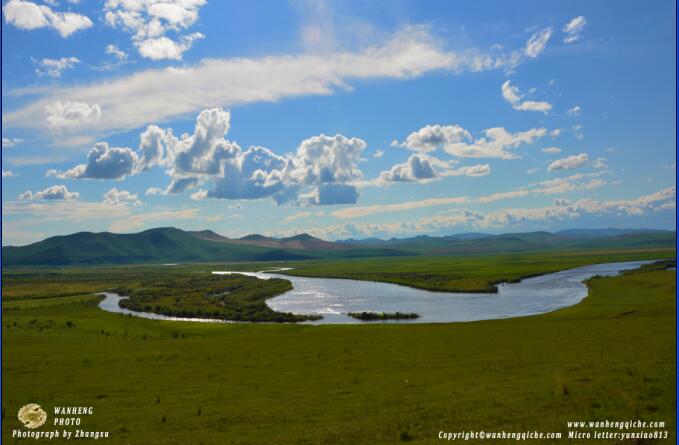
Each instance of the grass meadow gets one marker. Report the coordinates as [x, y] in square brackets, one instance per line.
[159, 382]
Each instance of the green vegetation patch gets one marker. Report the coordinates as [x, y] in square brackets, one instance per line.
[377, 316]
[232, 297]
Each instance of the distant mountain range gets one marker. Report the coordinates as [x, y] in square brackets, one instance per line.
[170, 245]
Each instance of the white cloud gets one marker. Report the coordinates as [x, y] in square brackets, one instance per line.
[577, 131]
[512, 95]
[135, 222]
[116, 52]
[56, 192]
[431, 137]
[150, 21]
[474, 170]
[156, 95]
[55, 67]
[28, 15]
[531, 171]
[569, 162]
[358, 211]
[151, 191]
[71, 115]
[161, 48]
[495, 144]
[296, 216]
[599, 163]
[418, 168]
[469, 219]
[319, 172]
[549, 187]
[537, 42]
[327, 159]
[10, 142]
[378, 154]
[7, 173]
[121, 197]
[574, 28]
[551, 150]
[575, 111]
[103, 162]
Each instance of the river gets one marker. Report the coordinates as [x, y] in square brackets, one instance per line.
[334, 298]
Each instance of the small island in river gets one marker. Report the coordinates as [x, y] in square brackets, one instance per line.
[378, 316]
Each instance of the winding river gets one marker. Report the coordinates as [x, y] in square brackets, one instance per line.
[334, 298]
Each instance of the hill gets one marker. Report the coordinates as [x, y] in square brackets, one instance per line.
[171, 245]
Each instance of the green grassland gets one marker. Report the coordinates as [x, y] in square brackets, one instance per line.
[159, 382]
[477, 273]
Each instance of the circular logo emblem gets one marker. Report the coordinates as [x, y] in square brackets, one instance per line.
[32, 416]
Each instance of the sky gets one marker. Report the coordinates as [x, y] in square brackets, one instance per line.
[342, 119]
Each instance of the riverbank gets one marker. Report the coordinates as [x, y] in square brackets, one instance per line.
[468, 274]
[337, 301]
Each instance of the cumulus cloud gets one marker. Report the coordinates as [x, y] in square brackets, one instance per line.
[321, 171]
[56, 192]
[574, 28]
[121, 197]
[378, 153]
[551, 150]
[165, 48]
[103, 162]
[459, 142]
[419, 167]
[569, 162]
[55, 67]
[495, 144]
[71, 115]
[116, 52]
[512, 95]
[537, 42]
[327, 159]
[150, 21]
[7, 173]
[331, 194]
[28, 15]
[424, 168]
[431, 137]
[156, 95]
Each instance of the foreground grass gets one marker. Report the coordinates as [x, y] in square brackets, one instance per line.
[153, 382]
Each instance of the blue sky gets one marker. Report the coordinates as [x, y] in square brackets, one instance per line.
[341, 119]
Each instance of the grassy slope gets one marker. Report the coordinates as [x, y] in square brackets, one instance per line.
[467, 273]
[610, 357]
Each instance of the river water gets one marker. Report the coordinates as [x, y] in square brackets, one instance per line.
[334, 298]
